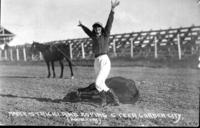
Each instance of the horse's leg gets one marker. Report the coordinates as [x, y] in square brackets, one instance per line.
[48, 68]
[62, 67]
[52, 64]
[70, 66]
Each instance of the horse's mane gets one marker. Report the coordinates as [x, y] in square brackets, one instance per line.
[43, 46]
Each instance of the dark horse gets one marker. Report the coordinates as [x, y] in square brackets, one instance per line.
[51, 53]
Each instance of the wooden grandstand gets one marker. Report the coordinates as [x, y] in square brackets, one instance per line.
[173, 42]
[143, 43]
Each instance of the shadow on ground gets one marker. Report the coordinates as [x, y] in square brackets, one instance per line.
[34, 98]
[35, 77]
[21, 77]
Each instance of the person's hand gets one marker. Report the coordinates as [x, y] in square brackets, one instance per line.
[114, 4]
[79, 23]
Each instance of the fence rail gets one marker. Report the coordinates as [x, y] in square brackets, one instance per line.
[172, 42]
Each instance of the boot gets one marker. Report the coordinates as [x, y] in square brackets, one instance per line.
[103, 98]
[86, 93]
[91, 87]
[114, 97]
[88, 89]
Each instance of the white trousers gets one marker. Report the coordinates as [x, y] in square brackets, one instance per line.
[102, 66]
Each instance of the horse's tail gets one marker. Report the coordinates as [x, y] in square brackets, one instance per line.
[69, 60]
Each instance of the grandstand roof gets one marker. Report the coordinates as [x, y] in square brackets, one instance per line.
[5, 35]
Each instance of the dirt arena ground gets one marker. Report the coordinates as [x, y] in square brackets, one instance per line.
[168, 97]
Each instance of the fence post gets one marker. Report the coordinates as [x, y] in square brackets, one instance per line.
[6, 54]
[179, 46]
[131, 48]
[155, 47]
[83, 50]
[71, 49]
[0, 54]
[32, 57]
[11, 55]
[114, 47]
[192, 50]
[24, 52]
[17, 53]
[40, 55]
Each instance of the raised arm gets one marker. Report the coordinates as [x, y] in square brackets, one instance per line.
[86, 30]
[111, 17]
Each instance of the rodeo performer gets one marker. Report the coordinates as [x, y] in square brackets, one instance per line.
[102, 64]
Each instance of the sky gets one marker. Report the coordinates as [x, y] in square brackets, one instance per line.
[49, 20]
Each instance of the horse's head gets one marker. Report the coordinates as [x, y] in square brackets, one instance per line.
[35, 47]
[6, 46]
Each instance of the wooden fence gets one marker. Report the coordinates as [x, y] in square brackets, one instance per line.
[173, 42]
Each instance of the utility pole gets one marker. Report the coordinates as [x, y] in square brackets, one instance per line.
[0, 12]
